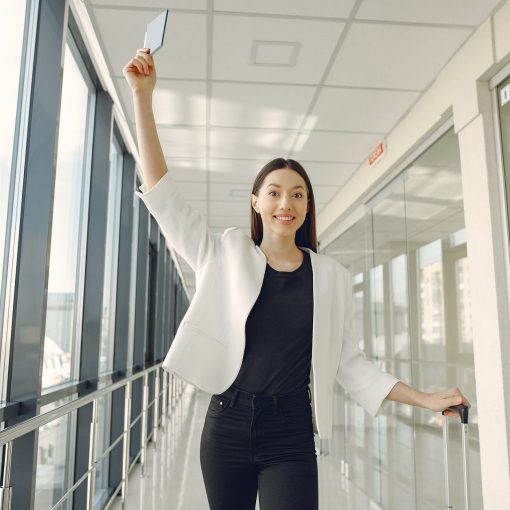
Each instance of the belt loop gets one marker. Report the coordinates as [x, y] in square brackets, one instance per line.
[234, 398]
[275, 405]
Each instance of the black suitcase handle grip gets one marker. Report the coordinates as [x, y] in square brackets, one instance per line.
[461, 410]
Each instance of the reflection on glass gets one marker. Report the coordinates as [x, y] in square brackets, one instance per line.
[431, 301]
[103, 442]
[111, 256]
[463, 297]
[11, 46]
[66, 223]
[54, 444]
[411, 247]
[399, 308]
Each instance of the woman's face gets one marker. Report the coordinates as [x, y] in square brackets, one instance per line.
[282, 195]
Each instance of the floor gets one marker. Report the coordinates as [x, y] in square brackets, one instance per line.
[173, 479]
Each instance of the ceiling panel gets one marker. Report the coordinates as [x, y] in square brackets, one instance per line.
[235, 170]
[188, 142]
[455, 12]
[328, 173]
[394, 56]
[122, 33]
[327, 146]
[234, 37]
[250, 143]
[174, 101]
[259, 105]
[348, 109]
[187, 169]
[234, 192]
[162, 4]
[323, 8]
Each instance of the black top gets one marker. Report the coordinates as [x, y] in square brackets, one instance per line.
[278, 353]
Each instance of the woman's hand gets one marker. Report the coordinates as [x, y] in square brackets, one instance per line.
[140, 72]
[441, 400]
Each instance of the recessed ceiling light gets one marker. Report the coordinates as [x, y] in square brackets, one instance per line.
[274, 53]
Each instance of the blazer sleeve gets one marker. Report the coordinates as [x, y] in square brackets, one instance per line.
[366, 383]
[184, 229]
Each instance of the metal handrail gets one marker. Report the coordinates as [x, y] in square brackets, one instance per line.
[20, 429]
[32, 424]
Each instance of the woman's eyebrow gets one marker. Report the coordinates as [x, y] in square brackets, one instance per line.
[278, 186]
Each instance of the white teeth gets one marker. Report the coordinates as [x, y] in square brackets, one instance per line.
[284, 218]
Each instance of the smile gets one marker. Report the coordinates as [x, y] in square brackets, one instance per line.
[285, 220]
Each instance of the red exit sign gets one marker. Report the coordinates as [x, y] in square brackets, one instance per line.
[376, 154]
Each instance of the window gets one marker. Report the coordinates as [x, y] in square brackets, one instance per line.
[12, 22]
[68, 223]
[111, 259]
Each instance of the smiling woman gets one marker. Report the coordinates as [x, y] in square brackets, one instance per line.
[274, 301]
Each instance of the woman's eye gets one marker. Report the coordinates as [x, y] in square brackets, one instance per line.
[300, 194]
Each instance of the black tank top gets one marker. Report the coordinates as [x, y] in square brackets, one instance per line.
[278, 353]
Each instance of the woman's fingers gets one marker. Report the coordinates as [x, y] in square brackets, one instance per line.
[145, 57]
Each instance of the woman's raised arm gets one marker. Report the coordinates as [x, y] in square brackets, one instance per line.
[140, 73]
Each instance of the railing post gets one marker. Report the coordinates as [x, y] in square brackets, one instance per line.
[91, 478]
[145, 403]
[165, 398]
[6, 489]
[126, 441]
[155, 420]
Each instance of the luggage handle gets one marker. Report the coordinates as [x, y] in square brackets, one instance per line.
[462, 411]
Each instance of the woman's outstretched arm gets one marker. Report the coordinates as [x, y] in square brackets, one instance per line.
[140, 73]
[437, 402]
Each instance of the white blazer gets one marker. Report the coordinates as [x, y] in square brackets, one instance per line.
[208, 348]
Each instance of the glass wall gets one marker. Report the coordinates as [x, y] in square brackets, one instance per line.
[12, 31]
[111, 259]
[410, 268]
[69, 222]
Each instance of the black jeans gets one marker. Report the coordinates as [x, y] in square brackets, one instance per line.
[259, 442]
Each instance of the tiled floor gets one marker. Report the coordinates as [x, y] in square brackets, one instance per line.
[173, 479]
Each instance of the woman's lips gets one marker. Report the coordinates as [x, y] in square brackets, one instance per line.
[284, 222]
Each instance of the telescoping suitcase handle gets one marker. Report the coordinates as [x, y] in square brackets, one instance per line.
[463, 412]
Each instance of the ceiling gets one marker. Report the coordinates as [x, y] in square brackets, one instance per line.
[359, 66]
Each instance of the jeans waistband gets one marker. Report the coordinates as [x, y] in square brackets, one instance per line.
[237, 395]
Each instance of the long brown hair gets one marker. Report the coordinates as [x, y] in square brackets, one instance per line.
[306, 235]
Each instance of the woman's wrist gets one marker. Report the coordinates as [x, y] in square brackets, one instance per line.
[142, 96]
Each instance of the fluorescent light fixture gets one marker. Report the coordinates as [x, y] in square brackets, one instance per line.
[274, 53]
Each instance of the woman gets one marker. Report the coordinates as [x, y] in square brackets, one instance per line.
[267, 332]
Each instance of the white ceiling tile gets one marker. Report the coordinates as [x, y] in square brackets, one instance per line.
[456, 12]
[346, 147]
[188, 170]
[232, 192]
[323, 8]
[185, 142]
[328, 174]
[234, 37]
[174, 102]
[250, 143]
[359, 109]
[235, 170]
[121, 33]
[163, 4]
[259, 105]
[389, 56]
